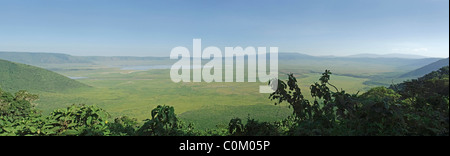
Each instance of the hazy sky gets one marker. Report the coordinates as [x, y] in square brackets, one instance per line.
[154, 27]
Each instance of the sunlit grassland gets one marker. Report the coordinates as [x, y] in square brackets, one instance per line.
[135, 93]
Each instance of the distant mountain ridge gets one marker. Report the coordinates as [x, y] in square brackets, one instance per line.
[41, 58]
[52, 60]
[16, 76]
[393, 55]
[59, 57]
[427, 69]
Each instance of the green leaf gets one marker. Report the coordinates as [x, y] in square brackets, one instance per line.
[33, 129]
[89, 120]
[8, 129]
[72, 125]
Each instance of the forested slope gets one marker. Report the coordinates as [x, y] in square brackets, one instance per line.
[15, 77]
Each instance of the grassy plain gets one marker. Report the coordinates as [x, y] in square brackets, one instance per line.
[135, 93]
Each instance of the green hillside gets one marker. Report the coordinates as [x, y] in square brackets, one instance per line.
[15, 76]
[427, 69]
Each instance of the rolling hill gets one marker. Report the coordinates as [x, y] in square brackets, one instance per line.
[427, 69]
[15, 76]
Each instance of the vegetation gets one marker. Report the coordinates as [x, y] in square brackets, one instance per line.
[15, 77]
[122, 90]
[417, 107]
[135, 93]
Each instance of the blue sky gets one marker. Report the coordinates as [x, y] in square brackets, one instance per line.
[154, 27]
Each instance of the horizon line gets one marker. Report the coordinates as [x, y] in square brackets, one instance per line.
[337, 56]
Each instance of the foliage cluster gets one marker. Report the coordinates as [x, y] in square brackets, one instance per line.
[416, 107]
